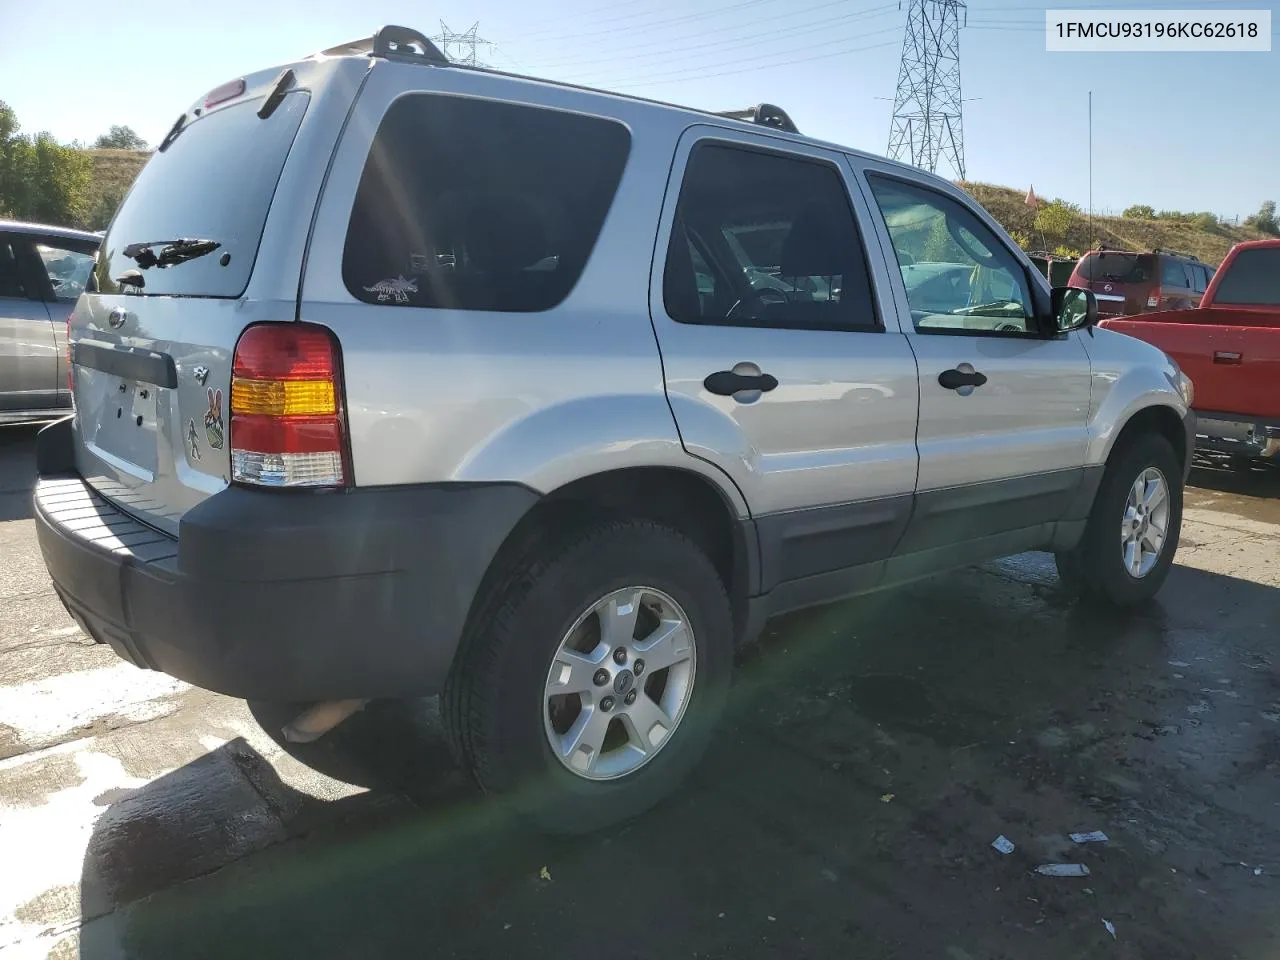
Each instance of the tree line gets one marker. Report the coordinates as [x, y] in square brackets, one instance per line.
[50, 182]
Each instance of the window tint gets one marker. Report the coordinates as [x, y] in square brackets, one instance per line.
[761, 239]
[958, 275]
[68, 270]
[480, 205]
[11, 285]
[214, 182]
[1251, 278]
[1172, 273]
[1117, 267]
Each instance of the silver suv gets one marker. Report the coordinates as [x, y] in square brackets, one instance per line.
[401, 377]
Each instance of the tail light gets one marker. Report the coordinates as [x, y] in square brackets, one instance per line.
[1153, 299]
[287, 426]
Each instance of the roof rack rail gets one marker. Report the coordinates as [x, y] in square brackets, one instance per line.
[765, 114]
[1177, 253]
[398, 43]
[392, 43]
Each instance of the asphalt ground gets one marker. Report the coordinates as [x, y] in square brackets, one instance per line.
[872, 752]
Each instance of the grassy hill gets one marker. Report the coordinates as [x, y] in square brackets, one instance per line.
[1208, 241]
[114, 171]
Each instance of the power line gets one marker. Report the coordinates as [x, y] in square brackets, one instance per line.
[698, 72]
[663, 22]
[735, 43]
[928, 119]
[664, 46]
[769, 66]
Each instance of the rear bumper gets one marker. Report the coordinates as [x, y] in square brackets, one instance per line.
[1238, 435]
[277, 595]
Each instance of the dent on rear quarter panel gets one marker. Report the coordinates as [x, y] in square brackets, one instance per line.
[1129, 375]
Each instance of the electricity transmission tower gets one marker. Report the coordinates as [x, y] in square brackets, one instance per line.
[460, 47]
[927, 114]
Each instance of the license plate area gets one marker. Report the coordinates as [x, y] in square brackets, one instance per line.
[127, 431]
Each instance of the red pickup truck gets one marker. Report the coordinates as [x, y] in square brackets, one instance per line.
[1230, 348]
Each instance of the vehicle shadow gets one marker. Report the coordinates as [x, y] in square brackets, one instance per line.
[1216, 475]
[17, 470]
[870, 753]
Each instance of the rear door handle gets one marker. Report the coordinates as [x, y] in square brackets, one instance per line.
[955, 379]
[726, 383]
[1227, 356]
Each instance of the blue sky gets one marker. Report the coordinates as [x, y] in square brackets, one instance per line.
[1184, 131]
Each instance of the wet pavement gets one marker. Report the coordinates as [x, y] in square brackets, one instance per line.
[872, 753]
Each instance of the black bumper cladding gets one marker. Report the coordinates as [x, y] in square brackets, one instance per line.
[280, 596]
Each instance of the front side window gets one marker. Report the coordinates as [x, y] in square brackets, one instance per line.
[959, 276]
[68, 270]
[767, 240]
[480, 205]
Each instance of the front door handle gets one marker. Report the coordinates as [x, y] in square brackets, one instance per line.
[726, 383]
[965, 376]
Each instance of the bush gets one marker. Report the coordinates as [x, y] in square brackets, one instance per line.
[1175, 215]
[1021, 238]
[1055, 219]
[1064, 251]
[39, 178]
[1139, 211]
[1265, 219]
[1205, 220]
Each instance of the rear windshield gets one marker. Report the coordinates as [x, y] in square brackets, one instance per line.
[480, 205]
[214, 182]
[1117, 267]
[1253, 277]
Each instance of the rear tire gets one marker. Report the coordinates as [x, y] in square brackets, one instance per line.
[1114, 561]
[517, 734]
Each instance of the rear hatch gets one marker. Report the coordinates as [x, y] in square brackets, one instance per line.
[152, 342]
[1122, 282]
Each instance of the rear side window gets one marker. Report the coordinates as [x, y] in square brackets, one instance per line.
[1172, 273]
[12, 286]
[215, 182]
[762, 239]
[480, 205]
[68, 266]
[1253, 277]
[1116, 267]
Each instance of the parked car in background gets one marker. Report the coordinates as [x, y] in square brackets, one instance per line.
[43, 271]
[1128, 283]
[1230, 347]
[1057, 269]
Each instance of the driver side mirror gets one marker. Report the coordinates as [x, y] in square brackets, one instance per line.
[1074, 309]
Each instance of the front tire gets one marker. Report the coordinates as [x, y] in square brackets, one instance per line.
[1133, 530]
[592, 685]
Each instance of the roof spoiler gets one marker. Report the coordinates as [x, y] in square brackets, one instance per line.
[392, 43]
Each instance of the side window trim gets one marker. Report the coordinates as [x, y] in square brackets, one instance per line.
[699, 135]
[869, 170]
